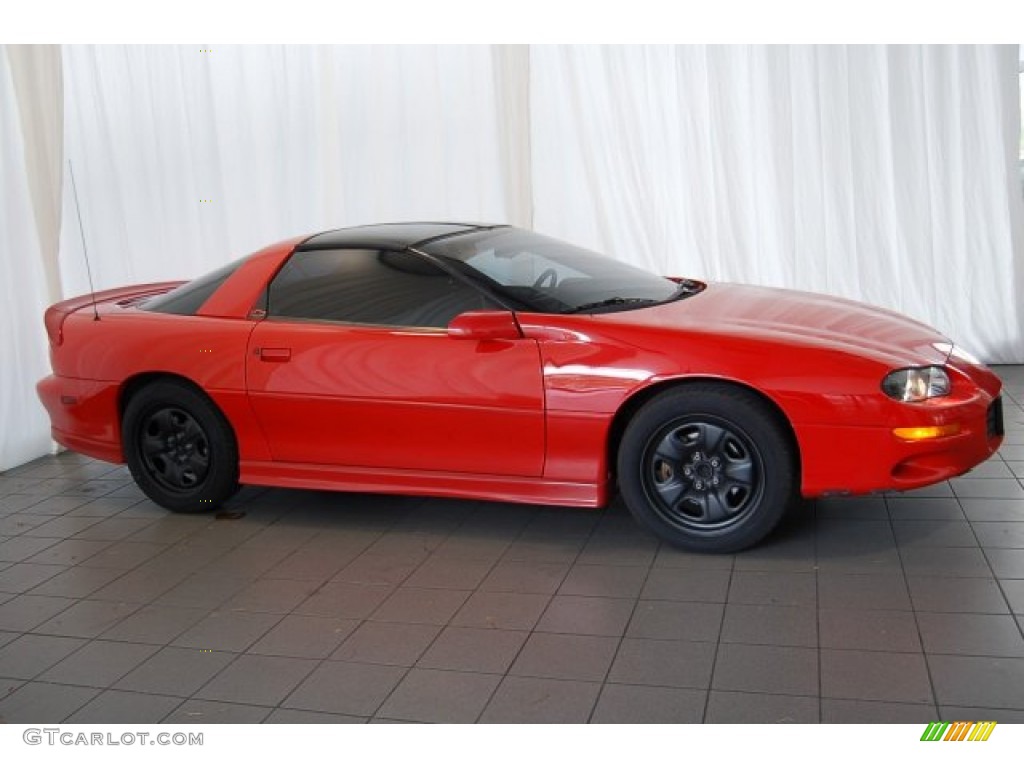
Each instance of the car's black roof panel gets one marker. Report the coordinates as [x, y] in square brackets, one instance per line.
[386, 236]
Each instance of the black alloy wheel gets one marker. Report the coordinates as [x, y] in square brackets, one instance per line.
[179, 447]
[702, 473]
[175, 450]
[708, 467]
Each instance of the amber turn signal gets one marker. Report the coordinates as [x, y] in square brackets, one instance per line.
[926, 433]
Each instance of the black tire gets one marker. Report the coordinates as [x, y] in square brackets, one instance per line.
[708, 467]
[180, 449]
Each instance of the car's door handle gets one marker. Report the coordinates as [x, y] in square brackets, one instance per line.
[275, 354]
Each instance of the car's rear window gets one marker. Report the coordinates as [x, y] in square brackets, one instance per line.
[188, 298]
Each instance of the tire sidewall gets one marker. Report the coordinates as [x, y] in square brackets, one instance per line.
[221, 478]
[740, 412]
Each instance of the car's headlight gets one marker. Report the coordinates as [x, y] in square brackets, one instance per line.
[913, 385]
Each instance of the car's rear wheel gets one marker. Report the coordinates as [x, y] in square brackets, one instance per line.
[179, 447]
[707, 467]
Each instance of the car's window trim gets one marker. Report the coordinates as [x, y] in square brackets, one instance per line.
[349, 324]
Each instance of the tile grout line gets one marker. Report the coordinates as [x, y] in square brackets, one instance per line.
[913, 607]
[533, 630]
[621, 639]
[718, 642]
[362, 622]
[239, 654]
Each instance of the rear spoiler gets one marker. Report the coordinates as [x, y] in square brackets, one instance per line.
[55, 315]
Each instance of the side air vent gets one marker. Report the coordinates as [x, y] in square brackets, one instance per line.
[132, 302]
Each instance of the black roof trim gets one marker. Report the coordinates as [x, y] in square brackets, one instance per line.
[472, 228]
[393, 236]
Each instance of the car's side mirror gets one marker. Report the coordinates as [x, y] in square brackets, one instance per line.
[485, 325]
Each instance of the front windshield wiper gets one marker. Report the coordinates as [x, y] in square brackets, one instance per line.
[610, 302]
[686, 288]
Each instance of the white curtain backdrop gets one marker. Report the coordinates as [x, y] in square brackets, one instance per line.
[885, 174]
[881, 173]
[186, 159]
[29, 221]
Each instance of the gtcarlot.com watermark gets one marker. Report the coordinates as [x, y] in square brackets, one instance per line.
[71, 738]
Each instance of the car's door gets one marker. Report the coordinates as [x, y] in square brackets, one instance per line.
[353, 366]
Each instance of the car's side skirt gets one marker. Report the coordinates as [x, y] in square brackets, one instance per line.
[527, 490]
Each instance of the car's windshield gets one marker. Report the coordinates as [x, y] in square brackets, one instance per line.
[539, 273]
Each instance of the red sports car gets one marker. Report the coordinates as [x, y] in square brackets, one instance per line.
[494, 363]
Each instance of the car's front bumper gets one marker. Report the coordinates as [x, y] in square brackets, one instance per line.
[866, 459]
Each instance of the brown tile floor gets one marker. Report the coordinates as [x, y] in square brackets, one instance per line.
[319, 607]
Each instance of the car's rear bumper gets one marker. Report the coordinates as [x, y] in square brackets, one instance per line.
[83, 415]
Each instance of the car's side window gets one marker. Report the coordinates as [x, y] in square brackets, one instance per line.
[370, 288]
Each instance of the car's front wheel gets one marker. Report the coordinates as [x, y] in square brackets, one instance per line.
[179, 447]
[707, 467]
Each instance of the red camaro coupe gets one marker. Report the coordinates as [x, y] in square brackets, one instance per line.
[494, 363]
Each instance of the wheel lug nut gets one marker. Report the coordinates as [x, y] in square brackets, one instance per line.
[715, 482]
[716, 462]
[688, 470]
[699, 485]
[696, 455]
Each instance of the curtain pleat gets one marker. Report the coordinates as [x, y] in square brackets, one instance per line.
[30, 168]
[885, 174]
[186, 159]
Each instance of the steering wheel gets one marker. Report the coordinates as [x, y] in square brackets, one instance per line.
[549, 275]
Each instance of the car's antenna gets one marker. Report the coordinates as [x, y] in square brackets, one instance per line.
[85, 250]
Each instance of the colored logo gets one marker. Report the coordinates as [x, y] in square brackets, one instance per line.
[959, 731]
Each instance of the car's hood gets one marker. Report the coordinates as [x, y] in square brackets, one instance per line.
[807, 318]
